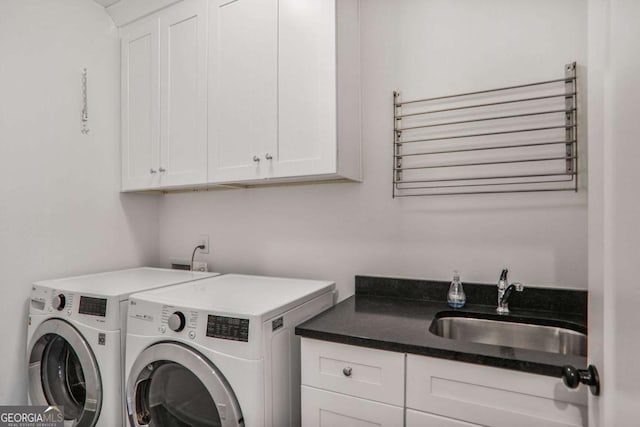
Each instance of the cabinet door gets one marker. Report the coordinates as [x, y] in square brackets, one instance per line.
[422, 419]
[183, 103]
[243, 103]
[492, 397]
[357, 371]
[140, 97]
[322, 408]
[307, 132]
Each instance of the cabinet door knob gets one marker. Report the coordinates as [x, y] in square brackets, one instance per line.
[256, 159]
[268, 156]
[152, 171]
[573, 377]
[347, 371]
[162, 170]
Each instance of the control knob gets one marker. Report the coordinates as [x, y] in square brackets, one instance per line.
[59, 302]
[177, 321]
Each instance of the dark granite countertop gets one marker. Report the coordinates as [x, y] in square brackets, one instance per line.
[395, 315]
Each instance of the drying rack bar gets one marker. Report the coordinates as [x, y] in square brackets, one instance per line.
[479, 92]
[458, 193]
[501, 147]
[489, 104]
[484, 178]
[498, 162]
[485, 119]
[546, 181]
[474, 135]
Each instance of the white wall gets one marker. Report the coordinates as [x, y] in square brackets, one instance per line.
[60, 210]
[621, 224]
[598, 15]
[614, 209]
[424, 48]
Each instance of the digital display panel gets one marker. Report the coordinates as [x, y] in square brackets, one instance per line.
[228, 328]
[93, 306]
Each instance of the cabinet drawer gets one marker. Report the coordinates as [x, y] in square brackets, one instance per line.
[371, 374]
[492, 397]
[422, 419]
[322, 408]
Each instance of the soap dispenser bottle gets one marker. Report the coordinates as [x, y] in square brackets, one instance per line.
[456, 297]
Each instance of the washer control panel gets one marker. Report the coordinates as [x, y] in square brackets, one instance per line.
[178, 319]
[93, 306]
[47, 300]
[235, 334]
[93, 310]
[228, 328]
[58, 302]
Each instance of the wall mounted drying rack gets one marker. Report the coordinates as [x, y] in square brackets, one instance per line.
[514, 139]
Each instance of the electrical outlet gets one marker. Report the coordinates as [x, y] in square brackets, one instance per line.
[199, 266]
[203, 240]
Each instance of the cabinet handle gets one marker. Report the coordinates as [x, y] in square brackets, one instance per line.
[347, 371]
[573, 377]
[256, 159]
[268, 156]
[162, 170]
[152, 171]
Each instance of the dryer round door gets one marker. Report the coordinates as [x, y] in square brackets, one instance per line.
[63, 372]
[174, 385]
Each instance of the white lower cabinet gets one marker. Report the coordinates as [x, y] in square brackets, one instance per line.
[345, 385]
[491, 397]
[423, 419]
[321, 408]
[357, 371]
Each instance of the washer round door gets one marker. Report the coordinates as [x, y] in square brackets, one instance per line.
[174, 385]
[63, 372]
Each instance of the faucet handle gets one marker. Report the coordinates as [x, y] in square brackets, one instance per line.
[503, 275]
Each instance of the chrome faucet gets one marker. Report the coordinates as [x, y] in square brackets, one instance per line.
[504, 292]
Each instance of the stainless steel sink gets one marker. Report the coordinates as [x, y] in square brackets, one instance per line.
[510, 334]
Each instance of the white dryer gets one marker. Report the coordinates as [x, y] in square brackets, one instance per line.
[76, 338]
[219, 352]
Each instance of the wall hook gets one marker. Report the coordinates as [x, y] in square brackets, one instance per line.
[85, 107]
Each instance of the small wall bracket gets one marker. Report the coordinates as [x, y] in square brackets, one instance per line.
[85, 104]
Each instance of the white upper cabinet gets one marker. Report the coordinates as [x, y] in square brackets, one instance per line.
[307, 119]
[240, 91]
[243, 61]
[140, 105]
[318, 90]
[284, 90]
[183, 88]
[164, 103]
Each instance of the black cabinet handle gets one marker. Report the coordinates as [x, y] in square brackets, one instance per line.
[573, 377]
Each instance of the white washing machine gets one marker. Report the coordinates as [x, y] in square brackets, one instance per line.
[219, 352]
[76, 338]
